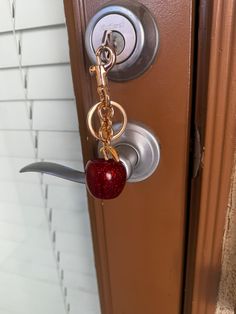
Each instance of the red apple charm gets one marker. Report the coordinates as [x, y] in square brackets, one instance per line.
[105, 178]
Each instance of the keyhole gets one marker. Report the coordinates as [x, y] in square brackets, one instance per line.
[118, 41]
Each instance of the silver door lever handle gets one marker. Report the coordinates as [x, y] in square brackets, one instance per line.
[128, 156]
[56, 170]
[138, 149]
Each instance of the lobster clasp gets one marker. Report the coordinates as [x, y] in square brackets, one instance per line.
[106, 59]
[101, 75]
[101, 68]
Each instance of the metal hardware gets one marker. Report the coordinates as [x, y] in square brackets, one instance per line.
[118, 42]
[134, 34]
[125, 29]
[105, 108]
[197, 152]
[115, 41]
[122, 127]
[56, 170]
[138, 148]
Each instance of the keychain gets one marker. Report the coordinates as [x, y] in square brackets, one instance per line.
[105, 177]
[139, 149]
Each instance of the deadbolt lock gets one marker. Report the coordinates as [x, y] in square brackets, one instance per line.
[135, 34]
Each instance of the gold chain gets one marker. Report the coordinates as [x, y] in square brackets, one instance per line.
[105, 108]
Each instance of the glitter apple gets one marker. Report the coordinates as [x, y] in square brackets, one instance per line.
[105, 179]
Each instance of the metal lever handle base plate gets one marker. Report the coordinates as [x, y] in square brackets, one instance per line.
[146, 146]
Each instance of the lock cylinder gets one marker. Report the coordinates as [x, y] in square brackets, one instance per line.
[135, 35]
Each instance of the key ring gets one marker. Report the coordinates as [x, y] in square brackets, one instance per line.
[110, 60]
[105, 177]
[93, 110]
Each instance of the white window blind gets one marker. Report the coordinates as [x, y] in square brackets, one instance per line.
[46, 254]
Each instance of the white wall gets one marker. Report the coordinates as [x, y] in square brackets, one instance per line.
[46, 256]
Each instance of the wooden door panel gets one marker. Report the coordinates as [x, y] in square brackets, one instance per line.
[139, 237]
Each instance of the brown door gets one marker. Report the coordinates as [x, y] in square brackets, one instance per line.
[139, 238]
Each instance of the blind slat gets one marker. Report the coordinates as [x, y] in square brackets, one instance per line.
[64, 221]
[71, 197]
[28, 194]
[10, 167]
[46, 46]
[30, 14]
[37, 47]
[9, 144]
[52, 82]
[6, 18]
[25, 295]
[55, 115]
[8, 51]
[14, 116]
[22, 215]
[59, 145]
[11, 85]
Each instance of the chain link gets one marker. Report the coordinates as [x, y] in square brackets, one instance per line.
[106, 59]
[105, 110]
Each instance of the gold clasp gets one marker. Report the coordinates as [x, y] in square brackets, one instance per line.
[101, 75]
[106, 59]
[101, 68]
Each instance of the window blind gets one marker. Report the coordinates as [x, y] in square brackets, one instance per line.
[46, 259]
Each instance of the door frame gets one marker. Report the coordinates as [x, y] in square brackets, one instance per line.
[215, 117]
